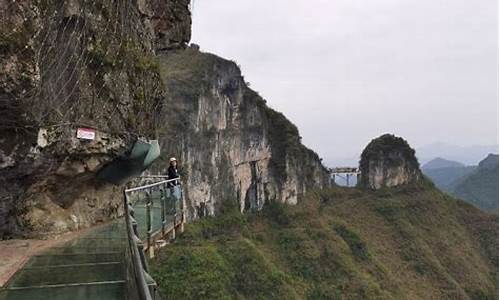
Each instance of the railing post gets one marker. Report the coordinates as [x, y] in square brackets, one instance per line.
[136, 249]
[140, 245]
[183, 216]
[174, 202]
[151, 285]
[174, 198]
[148, 225]
[163, 213]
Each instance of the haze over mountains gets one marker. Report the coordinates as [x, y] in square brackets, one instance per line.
[480, 187]
[466, 155]
[477, 185]
[438, 163]
[445, 172]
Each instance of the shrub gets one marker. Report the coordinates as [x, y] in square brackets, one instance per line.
[357, 246]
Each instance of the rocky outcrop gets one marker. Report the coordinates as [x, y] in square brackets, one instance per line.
[70, 63]
[170, 22]
[388, 161]
[120, 67]
[231, 145]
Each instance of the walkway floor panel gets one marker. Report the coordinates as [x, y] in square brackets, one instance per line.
[100, 291]
[89, 267]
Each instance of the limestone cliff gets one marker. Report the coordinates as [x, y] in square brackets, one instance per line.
[119, 67]
[388, 161]
[231, 145]
[70, 63]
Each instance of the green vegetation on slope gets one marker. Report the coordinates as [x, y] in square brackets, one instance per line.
[480, 187]
[405, 243]
[444, 178]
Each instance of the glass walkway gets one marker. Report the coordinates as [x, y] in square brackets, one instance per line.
[99, 265]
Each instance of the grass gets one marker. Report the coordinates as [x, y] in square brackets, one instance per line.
[338, 244]
[479, 188]
[357, 246]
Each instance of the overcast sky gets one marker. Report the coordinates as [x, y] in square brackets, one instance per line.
[345, 71]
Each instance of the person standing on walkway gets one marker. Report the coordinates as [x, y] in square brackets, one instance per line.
[172, 169]
[174, 186]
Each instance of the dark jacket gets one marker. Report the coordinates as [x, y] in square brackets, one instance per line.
[172, 174]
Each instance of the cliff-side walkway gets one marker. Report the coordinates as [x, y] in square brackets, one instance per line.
[100, 264]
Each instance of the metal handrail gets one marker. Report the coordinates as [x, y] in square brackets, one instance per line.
[137, 262]
[143, 280]
[144, 187]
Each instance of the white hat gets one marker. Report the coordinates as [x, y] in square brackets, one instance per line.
[173, 159]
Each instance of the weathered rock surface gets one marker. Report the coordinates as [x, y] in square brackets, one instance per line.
[64, 63]
[119, 67]
[388, 161]
[231, 145]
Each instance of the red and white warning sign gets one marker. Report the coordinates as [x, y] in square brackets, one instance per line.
[85, 133]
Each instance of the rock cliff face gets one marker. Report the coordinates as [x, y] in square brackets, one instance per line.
[230, 143]
[388, 161]
[65, 63]
[119, 67]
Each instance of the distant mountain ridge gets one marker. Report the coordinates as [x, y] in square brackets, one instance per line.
[445, 178]
[438, 163]
[490, 162]
[477, 185]
[394, 236]
[444, 172]
[468, 155]
[481, 186]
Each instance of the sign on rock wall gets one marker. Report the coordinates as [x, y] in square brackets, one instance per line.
[85, 133]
